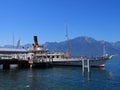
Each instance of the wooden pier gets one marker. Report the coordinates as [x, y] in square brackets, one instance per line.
[21, 63]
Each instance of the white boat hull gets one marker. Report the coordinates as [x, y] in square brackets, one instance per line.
[96, 62]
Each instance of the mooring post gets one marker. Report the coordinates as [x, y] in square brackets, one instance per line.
[87, 62]
[88, 65]
[31, 63]
[83, 64]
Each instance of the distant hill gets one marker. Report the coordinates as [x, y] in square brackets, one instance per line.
[80, 46]
[22, 46]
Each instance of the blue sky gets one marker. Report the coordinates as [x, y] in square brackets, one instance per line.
[99, 19]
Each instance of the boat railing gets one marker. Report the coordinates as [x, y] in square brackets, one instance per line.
[80, 58]
[42, 60]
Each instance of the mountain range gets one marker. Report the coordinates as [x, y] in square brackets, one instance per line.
[85, 46]
[81, 46]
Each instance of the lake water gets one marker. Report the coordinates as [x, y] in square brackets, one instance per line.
[63, 78]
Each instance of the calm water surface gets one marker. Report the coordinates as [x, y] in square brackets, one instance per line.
[63, 78]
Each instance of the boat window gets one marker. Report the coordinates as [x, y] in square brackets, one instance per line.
[57, 56]
[48, 56]
[52, 56]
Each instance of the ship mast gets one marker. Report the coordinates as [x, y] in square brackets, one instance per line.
[13, 40]
[68, 51]
[104, 51]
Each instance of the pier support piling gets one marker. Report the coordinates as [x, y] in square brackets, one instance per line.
[6, 66]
